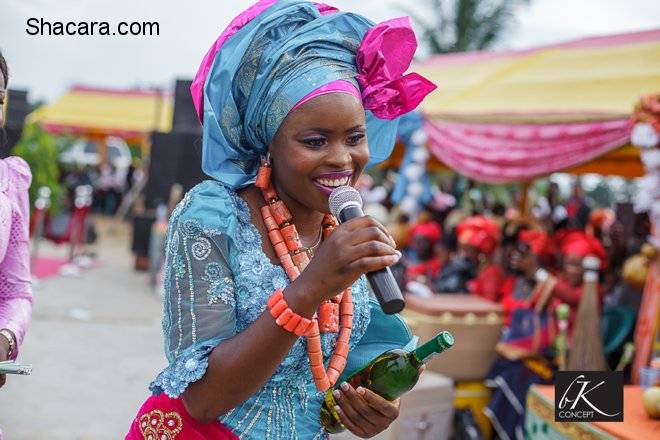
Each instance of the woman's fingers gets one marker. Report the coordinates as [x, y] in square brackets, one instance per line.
[364, 412]
[362, 407]
[389, 410]
[349, 424]
[369, 225]
[370, 233]
[356, 409]
[373, 249]
[370, 264]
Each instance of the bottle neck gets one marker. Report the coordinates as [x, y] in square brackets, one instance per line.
[428, 350]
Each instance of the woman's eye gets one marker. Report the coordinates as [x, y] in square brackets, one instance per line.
[355, 139]
[315, 142]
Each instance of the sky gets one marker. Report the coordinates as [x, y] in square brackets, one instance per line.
[48, 65]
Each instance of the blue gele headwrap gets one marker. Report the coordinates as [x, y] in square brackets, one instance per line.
[263, 69]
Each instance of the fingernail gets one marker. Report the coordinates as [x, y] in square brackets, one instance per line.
[337, 408]
[361, 390]
[337, 394]
[398, 253]
[344, 386]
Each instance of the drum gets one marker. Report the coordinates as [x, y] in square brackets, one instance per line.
[475, 323]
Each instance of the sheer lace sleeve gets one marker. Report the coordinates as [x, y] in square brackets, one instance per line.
[199, 301]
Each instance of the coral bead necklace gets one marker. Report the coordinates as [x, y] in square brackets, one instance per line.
[294, 258]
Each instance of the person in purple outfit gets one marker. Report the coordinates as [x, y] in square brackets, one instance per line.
[15, 283]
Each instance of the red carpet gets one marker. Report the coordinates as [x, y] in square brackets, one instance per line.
[44, 267]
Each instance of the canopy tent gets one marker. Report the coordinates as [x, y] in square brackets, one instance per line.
[512, 116]
[97, 113]
[623, 162]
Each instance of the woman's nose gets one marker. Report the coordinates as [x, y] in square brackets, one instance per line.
[340, 156]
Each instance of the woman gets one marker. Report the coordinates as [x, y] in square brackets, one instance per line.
[479, 237]
[427, 265]
[290, 92]
[15, 283]
[574, 246]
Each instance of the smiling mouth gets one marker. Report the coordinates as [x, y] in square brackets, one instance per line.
[333, 183]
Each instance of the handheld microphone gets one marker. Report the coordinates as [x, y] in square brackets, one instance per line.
[345, 203]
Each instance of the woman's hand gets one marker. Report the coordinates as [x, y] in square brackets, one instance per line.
[364, 412]
[4, 349]
[356, 247]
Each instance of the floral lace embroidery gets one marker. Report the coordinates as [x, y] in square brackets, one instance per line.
[157, 425]
[201, 248]
[221, 288]
[187, 368]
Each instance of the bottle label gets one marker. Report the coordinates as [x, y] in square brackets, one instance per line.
[330, 403]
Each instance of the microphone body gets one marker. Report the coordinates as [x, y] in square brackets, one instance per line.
[382, 281]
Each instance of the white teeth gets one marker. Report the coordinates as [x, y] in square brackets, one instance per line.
[333, 183]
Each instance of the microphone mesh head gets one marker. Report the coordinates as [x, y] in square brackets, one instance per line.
[342, 196]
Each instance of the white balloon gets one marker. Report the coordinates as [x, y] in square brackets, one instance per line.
[413, 171]
[644, 135]
[419, 137]
[651, 159]
[415, 189]
[420, 155]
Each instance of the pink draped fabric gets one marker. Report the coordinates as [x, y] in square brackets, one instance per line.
[339, 86]
[382, 59]
[500, 153]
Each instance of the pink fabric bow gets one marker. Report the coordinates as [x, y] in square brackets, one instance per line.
[384, 55]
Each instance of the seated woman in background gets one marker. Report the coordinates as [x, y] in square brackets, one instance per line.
[473, 270]
[574, 246]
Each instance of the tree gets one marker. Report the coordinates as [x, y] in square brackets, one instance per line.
[464, 25]
[39, 150]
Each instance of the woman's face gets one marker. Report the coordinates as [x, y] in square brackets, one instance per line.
[573, 269]
[320, 145]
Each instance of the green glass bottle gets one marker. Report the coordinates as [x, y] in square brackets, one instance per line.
[389, 375]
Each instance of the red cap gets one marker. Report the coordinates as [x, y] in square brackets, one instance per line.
[430, 230]
[579, 243]
[480, 232]
[539, 242]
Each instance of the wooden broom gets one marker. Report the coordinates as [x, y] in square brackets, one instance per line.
[586, 353]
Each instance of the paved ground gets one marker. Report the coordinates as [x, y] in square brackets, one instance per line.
[95, 343]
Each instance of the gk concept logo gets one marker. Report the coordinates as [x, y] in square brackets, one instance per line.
[588, 396]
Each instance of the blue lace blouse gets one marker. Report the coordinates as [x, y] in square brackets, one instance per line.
[217, 283]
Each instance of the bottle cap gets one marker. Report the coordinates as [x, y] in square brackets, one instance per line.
[445, 339]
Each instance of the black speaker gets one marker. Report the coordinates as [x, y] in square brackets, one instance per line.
[9, 137]
[175, 158]
[17, 107]
[163, 168]
[184, 118]
[190, 161]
